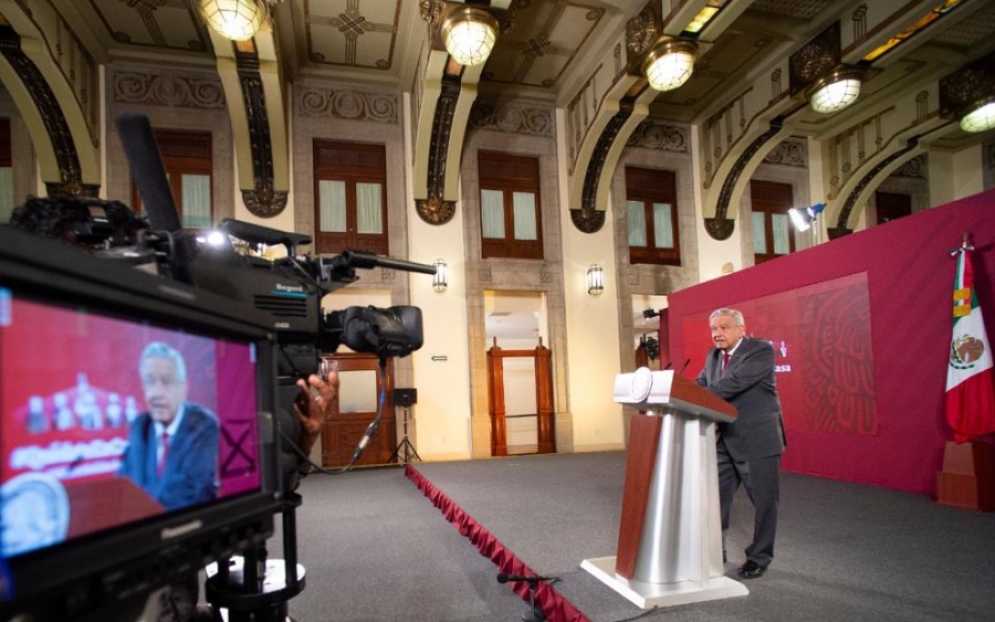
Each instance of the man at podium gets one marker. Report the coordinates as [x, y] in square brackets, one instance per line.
[740, 370]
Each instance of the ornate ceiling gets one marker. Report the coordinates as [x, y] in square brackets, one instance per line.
[583, 56]
[547, 53]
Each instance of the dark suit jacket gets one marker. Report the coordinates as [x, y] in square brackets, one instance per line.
[191, 471]
[750, 386]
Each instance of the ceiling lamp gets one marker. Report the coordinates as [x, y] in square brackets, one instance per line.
[669, 65]
[237, 20]
[469, 34]
[980, 119]
[836, 91]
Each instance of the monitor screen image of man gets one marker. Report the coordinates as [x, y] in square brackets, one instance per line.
[173, 446]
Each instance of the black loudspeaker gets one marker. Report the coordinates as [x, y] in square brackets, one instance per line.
[405, 397]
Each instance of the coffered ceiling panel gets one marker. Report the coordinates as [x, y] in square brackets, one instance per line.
[544, 41]
[968, 33]
[165, 24]
[353, 33]
[800, 9]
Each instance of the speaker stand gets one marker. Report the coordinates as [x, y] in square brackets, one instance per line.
[405, 444]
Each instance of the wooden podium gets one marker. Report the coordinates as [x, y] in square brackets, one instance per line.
[670, 533]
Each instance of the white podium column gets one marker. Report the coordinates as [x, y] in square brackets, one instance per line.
[672, 500]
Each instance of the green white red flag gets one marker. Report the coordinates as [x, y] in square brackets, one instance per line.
[970, 401]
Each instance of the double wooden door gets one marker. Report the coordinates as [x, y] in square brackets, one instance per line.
[360, 387]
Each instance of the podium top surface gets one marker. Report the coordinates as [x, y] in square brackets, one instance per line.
[649, 390]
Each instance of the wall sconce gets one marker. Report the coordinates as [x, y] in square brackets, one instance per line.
[595, 280]
[836, 91]
[980, 119]
[803, 217]
[237, 20]
[469, 34]
[669, 64]
[441, 279]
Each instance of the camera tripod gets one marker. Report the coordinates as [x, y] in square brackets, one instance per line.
[252, 588]
[409, 449]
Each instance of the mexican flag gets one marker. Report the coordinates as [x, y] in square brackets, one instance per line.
[970, 402]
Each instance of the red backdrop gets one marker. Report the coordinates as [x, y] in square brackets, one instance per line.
[863, 325]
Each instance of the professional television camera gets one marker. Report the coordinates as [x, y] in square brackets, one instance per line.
[268, 312]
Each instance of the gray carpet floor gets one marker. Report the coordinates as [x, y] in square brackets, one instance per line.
[377, 550]
[845, 552]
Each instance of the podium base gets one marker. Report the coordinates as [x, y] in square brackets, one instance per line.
[650, 595]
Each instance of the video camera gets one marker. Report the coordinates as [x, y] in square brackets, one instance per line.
[79, 540]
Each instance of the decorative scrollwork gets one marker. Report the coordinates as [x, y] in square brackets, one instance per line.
[168, 90]
[264, 201]
[788, 153]
[722, 226]
[720, 229]
[652, 134]
[914, 168]
[56, 126]
[815, 59]
[858, 189]
[512, 15]
[434, 210]
[600, 155]
[812, 61]
[430, 10]
[71, 188]
[588, 220]
[353, 105]
[511, 118]
[641, 32]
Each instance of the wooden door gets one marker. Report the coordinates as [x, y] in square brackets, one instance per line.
[355, 407]
[545, 417]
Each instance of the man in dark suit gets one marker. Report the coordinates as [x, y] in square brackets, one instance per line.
[740, 370]
[173, 447]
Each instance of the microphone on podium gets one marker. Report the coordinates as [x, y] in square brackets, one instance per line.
[685, 366]
[668, 366]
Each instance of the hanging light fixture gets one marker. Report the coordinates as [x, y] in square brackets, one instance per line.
[469, 34]
[980, 119]
[237, 20]
[595, 280]
[669, 64]
[836, 91]
[441, 279]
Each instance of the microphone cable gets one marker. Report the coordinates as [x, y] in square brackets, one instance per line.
[363, 442]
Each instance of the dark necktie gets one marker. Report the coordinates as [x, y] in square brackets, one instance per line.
[725, 361]
[164, 439]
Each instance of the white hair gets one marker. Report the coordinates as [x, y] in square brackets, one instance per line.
[159, 350]
[736, 316]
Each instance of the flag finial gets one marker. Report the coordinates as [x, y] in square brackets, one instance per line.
[965, 244]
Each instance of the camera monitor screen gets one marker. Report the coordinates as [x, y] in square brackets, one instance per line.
[108, 421]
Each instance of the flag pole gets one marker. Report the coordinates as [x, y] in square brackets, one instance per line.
[967, 479]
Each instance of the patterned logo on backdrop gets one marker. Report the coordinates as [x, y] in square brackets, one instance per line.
[842, 368]
[965, 351]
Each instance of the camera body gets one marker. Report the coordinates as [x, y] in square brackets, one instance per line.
[216, 299]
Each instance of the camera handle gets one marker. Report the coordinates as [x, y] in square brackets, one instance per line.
[256, 589]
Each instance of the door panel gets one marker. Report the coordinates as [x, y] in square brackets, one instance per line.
[353, 410]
